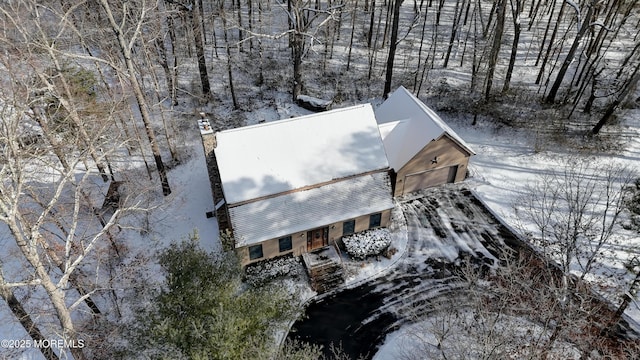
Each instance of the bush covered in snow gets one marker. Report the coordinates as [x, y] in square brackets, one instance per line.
[259, 273]
[367, 243]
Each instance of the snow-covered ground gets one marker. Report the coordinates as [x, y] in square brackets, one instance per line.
[436, 236]
[185, 211]
[420, 340]
[505, 164]
[360, 271]
[180, 214]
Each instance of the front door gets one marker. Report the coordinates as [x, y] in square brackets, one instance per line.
[317, 238]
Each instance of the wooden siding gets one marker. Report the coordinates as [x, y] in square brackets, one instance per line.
[427, 178]
[271, 248]
[448, 154]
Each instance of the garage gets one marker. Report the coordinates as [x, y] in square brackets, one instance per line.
[423, 151]
[428, 178]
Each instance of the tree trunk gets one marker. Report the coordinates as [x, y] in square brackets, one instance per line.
[626, 90]
[66, 102]
[417, 74]
[554, 33]
[475, 63]
[485, 30]
[374, 48]
[240, 31]
[202, 24]
[551, 97]
[392, 47]
[298, 44]
[371, 23]
[156, 86]
[55, 293]
[439, 11]
[229, 71]
[141, 101]
[202, 62]
[626, 300]
[353, 30]
[25, 319]
[515, 13]
[457, 15]
[162, 56]
[495, 48]
[174, 68]
[387, 19]
[250, 16]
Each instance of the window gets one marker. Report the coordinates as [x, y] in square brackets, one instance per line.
[348, 227]
[374, 220]
[255, 252]
[285, 243]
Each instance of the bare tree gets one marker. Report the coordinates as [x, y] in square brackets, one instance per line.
[56, 238]
[234, 99]
[627, 88]
[392, 47]
[18, 310]
[16, 196]
[582, 30]
[126, 46]
[516, 12]
[574, 213]
[510, 310]
[301, 18]
[495, 48]
[193, 10]
[552, 40]
[50, 135]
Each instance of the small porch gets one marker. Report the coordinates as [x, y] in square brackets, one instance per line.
[324, 267]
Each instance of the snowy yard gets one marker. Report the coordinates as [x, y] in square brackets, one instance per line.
[507, 164]
[421, 269]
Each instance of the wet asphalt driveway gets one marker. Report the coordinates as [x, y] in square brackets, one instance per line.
[447, 226]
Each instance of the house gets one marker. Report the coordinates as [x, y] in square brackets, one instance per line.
[421, 149]
[295, 185]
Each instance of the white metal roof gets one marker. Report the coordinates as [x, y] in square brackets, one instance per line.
[279, 156]
[298, 211]
[407, 125]
[400, 143]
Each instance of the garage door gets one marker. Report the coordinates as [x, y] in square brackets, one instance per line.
[429, 178]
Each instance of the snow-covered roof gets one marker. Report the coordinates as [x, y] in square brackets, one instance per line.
[290, 213]
[400, 143]
[279, 156]
[407, 125]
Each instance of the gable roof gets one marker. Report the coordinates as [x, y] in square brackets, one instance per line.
[298, 211]
[280, 156]
[407, 125]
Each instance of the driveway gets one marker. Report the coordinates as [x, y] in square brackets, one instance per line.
[447, 227]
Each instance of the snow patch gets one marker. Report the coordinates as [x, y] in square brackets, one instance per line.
[262, 272]
[367, 243]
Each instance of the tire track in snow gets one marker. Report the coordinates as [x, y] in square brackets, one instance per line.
[447, 227]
